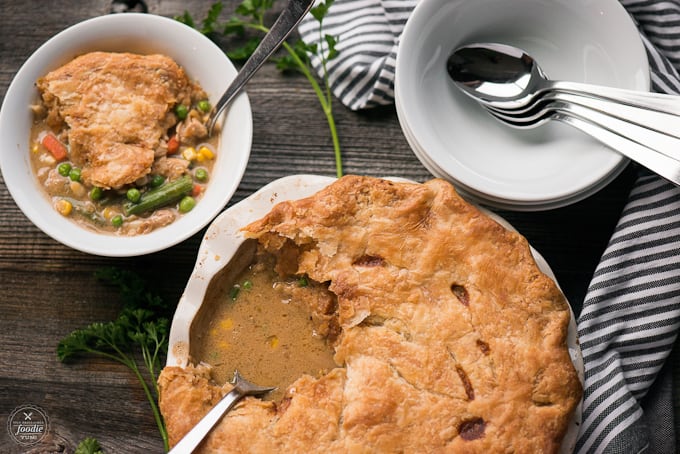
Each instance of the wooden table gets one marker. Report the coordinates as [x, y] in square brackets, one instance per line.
[48, 290]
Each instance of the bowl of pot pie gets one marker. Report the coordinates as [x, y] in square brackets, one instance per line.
[105, 145]
[392, 316]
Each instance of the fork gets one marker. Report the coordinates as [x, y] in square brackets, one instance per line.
[613, 134]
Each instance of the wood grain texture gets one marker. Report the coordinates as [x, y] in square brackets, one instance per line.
[47, 289]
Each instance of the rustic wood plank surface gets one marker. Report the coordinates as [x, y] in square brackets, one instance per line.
[47, 290]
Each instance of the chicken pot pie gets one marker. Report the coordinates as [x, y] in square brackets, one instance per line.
[450, 338]
[120, 139]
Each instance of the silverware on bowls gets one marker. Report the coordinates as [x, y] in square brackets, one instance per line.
[510, 85]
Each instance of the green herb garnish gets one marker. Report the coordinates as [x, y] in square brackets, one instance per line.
[233, 293]
[89, 446]
[250, 16]
[137, 338]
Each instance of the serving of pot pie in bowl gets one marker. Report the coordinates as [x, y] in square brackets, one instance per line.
[103, 135]
[445, 332]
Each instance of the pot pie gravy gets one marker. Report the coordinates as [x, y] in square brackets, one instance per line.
[260, 325]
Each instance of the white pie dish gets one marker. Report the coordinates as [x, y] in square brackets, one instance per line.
[203, 61]
[592, 41]
[221, 250]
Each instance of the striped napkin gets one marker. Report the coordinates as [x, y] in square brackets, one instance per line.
[631, 313]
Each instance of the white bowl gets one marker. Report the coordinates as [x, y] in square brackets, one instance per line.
[592, 41]
[140, 33]
[221, 256]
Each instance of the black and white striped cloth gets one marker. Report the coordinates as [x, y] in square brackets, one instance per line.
[631, 314]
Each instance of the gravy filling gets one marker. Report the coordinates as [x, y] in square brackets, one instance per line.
[271, 328]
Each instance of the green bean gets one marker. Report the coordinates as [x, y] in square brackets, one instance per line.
[160, 196]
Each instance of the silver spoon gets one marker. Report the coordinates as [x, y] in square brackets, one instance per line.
[242, 388]
[289, 18]
[506, 77]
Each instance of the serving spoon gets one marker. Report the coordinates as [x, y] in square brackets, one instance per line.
[506, 77]
[289, 18]
[242, 388]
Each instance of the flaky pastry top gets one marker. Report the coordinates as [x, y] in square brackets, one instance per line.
[452, 339]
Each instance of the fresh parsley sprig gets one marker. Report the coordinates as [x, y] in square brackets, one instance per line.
[89, 446]
[250, 15]
[137, 338]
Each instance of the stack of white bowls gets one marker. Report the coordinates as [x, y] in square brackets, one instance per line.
[591, 41]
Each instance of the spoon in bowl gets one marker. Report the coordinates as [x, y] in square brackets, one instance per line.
[506, 77]
[511, 86]
[289, 18]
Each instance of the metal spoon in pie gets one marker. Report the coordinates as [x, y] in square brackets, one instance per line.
[242, 388]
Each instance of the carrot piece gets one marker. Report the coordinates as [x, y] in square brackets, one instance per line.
[196, 190]
[55, 147]
[173, 144]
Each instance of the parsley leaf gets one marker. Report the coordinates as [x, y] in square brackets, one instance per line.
[89, 446]
[137, 338]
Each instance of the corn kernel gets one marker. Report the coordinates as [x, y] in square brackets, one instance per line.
[35, 148]
[224, 345]
[273, 341]
[77, 189]
[64, 207]
[189, 153]
[108, 213]
[206, 153]
[227, 324]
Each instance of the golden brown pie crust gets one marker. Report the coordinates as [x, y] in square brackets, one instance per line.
[452, 339]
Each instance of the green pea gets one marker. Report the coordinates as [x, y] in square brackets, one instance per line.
[201, 174]
[187, 204]
[247, 285]
[96, 193]
[74, 174]
[133, 195]
[181, 111]
[204, 106]
[117, 220]
[64, 168]
[156, 181]
[302, 281]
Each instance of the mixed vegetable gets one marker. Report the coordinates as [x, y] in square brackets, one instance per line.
[150, 202]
